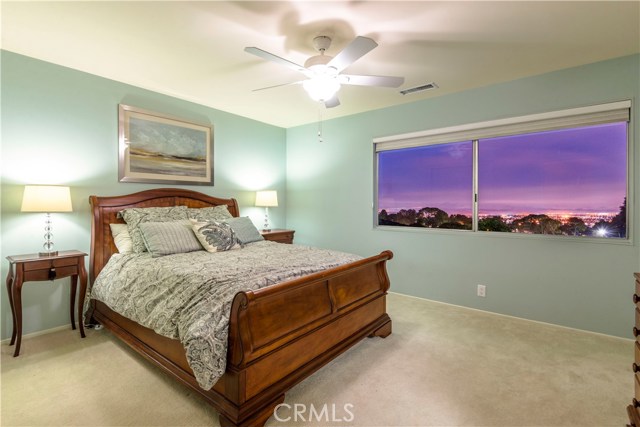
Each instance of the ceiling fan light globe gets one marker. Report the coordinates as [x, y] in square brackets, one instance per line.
[321, 88]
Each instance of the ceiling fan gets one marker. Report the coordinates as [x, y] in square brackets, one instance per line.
[323, 72]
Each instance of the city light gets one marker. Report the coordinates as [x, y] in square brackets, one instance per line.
[602, 232]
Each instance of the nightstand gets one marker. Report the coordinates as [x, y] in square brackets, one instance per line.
[279, 235]
[35, 268]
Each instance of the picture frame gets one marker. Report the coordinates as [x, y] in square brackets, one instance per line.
[159, 149]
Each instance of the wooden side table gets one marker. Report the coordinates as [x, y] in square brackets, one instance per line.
[279, 235]
[32, 267]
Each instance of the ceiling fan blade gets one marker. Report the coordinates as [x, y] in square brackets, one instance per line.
[333, 102]
[359, 47]
[283, 84]
[385, 81]
[274, 58]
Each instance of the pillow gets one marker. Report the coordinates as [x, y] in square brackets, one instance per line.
[166, 238]
[214, 213]
[244, 229]
[121, 238]
[136, 216]
[215, 236]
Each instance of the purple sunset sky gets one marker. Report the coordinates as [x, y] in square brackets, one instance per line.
[572, 170]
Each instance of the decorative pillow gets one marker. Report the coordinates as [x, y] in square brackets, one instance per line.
[215, 236]
[214, 213]
[121, 238]
[166, 238]
[244, 229]
[136, 216]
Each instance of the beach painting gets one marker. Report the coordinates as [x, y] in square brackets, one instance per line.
[156, 148]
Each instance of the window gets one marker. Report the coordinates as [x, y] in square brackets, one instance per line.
[569, 181]
[429, 186]
[562, 173]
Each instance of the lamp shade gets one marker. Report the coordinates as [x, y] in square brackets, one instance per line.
[46, 198]
[267, 198]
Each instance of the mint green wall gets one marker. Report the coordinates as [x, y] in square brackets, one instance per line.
[584, 285]
[59, 126]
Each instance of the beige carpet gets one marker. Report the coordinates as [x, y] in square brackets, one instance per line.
[442, 366]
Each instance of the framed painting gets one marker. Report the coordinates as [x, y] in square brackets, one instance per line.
[155, 148]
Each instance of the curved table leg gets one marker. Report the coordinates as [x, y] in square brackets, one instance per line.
[83, 293]
[17, 306]
[72, 302]
[13, 311]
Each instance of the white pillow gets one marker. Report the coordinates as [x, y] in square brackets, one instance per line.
[122, 238]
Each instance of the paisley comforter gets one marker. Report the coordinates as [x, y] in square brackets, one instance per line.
[188, 296]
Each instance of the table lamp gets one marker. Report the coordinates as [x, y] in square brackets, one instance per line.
[47, 199]
[266, 199]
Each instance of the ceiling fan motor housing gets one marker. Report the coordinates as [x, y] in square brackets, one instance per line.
[321, 43]
[321, 60]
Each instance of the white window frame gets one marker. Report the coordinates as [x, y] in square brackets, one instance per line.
[562, 119]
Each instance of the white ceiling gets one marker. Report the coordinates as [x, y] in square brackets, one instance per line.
[194, 50]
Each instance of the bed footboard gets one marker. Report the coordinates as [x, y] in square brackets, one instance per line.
[282, 334]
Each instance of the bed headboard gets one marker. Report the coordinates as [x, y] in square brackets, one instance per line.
[105, 211]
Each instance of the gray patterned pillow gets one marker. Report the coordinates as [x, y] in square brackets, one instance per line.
[166, 238]
[214, 213]
[215, 236]
[244, 229]
[135, 216]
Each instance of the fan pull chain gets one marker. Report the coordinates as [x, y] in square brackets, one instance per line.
[320, 125]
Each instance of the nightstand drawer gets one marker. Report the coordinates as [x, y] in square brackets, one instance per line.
[278, 235]
[50, 273]
[46, 264]
[281, 239]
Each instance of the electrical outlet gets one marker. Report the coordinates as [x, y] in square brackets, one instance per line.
[482, 291]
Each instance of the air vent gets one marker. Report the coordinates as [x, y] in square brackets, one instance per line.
[420, 88]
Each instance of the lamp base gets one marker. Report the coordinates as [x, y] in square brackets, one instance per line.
[47, 254]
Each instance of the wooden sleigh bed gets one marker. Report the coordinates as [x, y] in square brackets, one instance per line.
[278, 335]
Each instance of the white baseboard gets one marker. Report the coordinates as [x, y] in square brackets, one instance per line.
[37, 333]
[514, 317]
